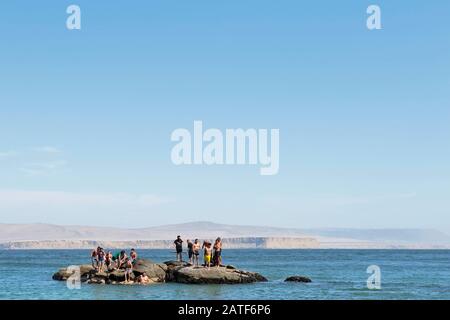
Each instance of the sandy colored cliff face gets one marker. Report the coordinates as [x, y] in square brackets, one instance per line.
[231, 243]
[288, 243]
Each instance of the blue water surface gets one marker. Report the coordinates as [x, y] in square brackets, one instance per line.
[336, 274]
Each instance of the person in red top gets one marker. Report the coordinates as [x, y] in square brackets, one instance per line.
[133, 256]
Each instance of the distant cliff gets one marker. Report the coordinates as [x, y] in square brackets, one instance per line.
[229, 243]
[37, 236]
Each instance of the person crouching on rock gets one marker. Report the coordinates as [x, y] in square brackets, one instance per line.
[120, 259]
[128, 269]
[94, 259]
[196, 249]
[207, 254]
[179, 248]
[109, 261]
[218, 252]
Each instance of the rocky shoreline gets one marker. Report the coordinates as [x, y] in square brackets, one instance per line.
[170, 271]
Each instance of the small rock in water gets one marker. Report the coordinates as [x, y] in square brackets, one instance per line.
[301, 279]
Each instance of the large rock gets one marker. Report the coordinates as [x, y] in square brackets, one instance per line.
[221, 275]
[118, 276]
[173, 264]
[64, 273]
[171, 271]
[301, 279]
[156, 273]
[153, 270]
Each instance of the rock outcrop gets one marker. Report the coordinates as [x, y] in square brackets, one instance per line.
[301, 279]
[156, 273]
[188, 274]
[170, 271]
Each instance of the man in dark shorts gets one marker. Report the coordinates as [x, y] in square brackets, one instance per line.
[190, 250]
[179, 248]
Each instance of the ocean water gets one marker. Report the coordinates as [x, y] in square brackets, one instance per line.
[336, 274]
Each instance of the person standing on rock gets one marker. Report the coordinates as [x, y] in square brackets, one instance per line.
[94, 259]
[196, 249]
[218, 252]
[207, 254]
[190, 246]
[128, 270]
[133, 256]
[179, 248]
[101, 259]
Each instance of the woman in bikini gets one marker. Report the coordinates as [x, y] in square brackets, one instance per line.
[94, 259]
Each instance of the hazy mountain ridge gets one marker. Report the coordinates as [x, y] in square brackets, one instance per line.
[229, 243]
[26, 234]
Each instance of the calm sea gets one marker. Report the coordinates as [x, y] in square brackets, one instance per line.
[336, 274]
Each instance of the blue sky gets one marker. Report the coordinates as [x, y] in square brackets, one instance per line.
[86, 115]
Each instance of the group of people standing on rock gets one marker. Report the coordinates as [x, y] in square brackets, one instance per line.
[212, 254]
[106, 261]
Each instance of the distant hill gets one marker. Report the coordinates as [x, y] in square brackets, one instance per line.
[328, 238]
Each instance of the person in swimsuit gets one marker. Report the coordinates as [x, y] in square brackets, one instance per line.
[94, 259]
[196, 249]
[134, 256]
[109, 260]
[179, 248]
[190, 246]
[207, 254]
[143, 279]
[121, 259]
[218, 252]
[128, 269]
[101, 259]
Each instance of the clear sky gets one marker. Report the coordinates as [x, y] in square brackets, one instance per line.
[86, 115]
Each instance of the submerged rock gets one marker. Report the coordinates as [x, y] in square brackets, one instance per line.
[301, 279]
[170, 271]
